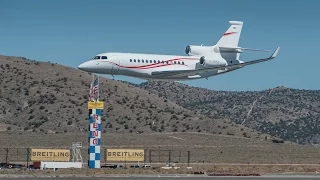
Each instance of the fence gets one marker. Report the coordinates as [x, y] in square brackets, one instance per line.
[168, 156]
[8, 155]
[151, 156]
[202, 155]
[155, 156]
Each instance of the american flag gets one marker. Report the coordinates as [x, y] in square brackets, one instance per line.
[95, 86]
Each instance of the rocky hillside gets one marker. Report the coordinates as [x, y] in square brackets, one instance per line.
[290, 114]
[49, 98]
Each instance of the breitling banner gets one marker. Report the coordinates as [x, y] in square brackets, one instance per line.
[50, 155]
[125, 154]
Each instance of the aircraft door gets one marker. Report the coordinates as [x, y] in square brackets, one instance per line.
[115, 65]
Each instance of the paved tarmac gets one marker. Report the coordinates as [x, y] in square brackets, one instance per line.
[168, 177]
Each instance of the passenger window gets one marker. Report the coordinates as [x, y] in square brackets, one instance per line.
[182, 62]
[142, 61]
[134, 60]
[154, 61]
[178, 62]
[175, 62]
[158, 61]
[167, 62]
[104, 57]
[146, 61]
[138, 60]
[162, 62]
[130, 60]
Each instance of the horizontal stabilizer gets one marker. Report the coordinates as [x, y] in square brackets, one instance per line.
[238, 49]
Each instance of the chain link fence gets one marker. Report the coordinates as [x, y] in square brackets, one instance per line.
[22, 156]
[155, 156]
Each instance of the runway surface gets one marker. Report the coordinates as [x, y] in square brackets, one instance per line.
[163, 177]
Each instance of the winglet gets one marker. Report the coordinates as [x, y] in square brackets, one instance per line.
[275, 53]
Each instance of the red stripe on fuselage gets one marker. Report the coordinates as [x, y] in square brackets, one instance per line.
[149, 67]
[161, 65]
[154, 65]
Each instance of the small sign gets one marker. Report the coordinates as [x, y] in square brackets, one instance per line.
[95, 105]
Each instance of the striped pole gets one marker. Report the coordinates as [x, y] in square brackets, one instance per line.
[94, 138]
[95, 107]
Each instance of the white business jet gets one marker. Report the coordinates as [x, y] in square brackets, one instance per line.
[200, 62]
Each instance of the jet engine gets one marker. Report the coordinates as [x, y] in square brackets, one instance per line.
[198, 50]
[202, 60]
[209, 62]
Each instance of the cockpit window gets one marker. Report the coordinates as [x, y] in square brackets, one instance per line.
[96, 57]
[104, 57]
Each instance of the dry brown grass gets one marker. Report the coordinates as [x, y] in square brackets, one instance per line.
[290, 114]
[44, 97]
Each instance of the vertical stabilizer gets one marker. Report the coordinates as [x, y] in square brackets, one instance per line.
[231, 37]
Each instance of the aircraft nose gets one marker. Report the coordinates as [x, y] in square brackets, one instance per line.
[84, 66]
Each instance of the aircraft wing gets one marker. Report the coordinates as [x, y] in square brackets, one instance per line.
[180, 73]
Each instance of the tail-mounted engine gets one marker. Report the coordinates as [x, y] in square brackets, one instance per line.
[202, 60]
[198, 50]
[210, 61]
[207, 56]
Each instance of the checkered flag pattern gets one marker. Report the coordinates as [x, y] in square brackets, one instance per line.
[94, 138]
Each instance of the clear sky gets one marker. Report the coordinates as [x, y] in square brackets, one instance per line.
[70, 32]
